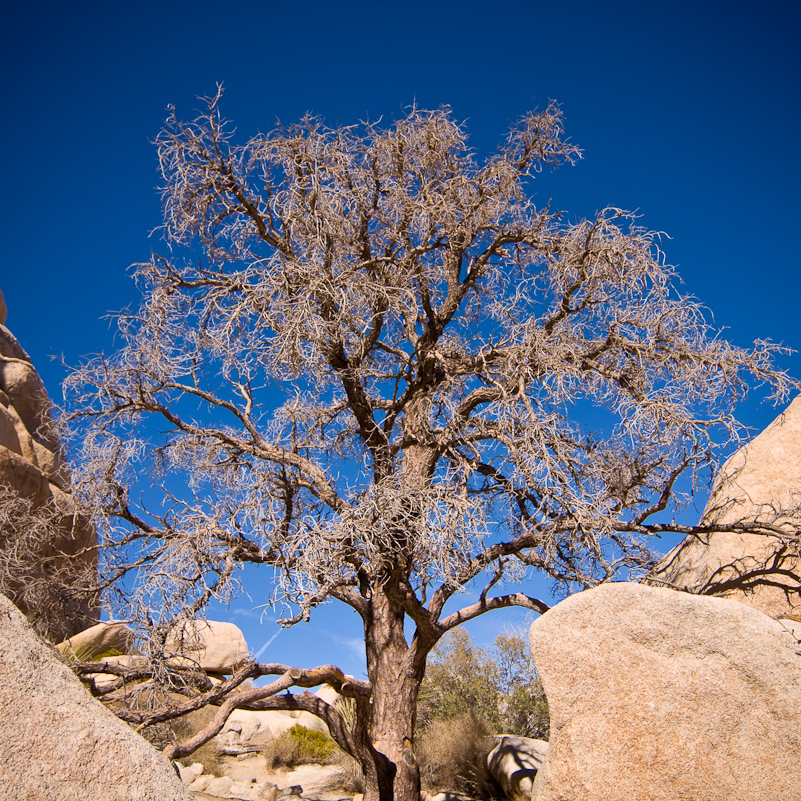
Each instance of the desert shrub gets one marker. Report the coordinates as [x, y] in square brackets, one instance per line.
[298, 746]
[106, 654]
[208, 755]
[496, 685]
[452, 756]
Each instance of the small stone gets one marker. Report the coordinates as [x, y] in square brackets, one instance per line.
[189, 773]
[219, 786]
[201, 783]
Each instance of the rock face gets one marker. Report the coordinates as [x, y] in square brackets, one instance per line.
[514, 763]
[660, 695]
[59, 743]
[44, 571]
[215, 646]
[88, 644]
[761, 483]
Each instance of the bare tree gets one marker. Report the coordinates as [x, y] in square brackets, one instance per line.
[373, 365]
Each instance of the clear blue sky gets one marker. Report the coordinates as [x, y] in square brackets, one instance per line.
[687, 111]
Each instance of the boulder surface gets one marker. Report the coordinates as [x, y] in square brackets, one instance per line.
[58, 742]
[658, 695]
[514, 763]
[213, 645]
[760, 483]
[91, 642]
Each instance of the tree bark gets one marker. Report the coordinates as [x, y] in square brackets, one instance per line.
[395, 678]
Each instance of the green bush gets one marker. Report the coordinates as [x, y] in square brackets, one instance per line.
[298, 746]
[498, 686]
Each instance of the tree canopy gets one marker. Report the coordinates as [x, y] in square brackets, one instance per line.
[375, 366]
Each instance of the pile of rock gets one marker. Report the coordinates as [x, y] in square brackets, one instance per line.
[244, 728]
[33, 468]
[196, 781]
[216, 647]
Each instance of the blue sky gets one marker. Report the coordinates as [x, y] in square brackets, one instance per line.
[688, 112]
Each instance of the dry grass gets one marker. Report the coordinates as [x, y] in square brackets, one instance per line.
[452, 756]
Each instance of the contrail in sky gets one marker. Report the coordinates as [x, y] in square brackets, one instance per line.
[264, 647]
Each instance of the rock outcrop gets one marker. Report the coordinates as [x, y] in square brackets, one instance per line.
[216, 647]
[245, 728]
[58, 742]
[662, 695]
[46, 546]
[514, 763]
[759, 484]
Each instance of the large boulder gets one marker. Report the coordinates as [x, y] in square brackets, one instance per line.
[661, 695]
[88, 644]
[215, 646]
[49, 577]
[244, 727]
[58, 742]
[514, 763]
[759, 484]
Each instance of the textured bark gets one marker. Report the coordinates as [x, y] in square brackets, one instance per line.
[396, 682]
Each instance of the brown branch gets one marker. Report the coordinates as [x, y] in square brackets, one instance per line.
[488, 604]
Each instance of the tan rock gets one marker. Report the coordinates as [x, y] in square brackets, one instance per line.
[78, 532]
[26, 478]
[514, 763]
[3, 309]
[660, 695]
[41, 573]
[760, 483]
[9, 347]
[215, 646]
[219, 786]
[201, 783]
[53, 465]
[189, 773]
[20, 381]
[9, 438]
[59, 743]
[245, 726]
[109, 681]
[26, 443]
[87, 644]
[328, 694]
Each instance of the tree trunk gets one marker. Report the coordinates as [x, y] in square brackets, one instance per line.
[395, 682]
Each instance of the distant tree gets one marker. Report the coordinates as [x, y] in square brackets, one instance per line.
[498, 685]
[369, 362]
[461, 679]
